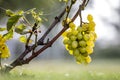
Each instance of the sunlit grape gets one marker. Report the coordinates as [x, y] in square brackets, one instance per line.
[90, 43]
[74, 44]
[89, 49]
[90, 17]
[86, 37]
[87, 59]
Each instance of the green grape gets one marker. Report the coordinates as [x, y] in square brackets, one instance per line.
[75, 32]
[82, 50]
[65, 41]
[70, 47]
[74, 44]
[69, 42]
[78, 59]
[72, 26]
[89, 49]
[79, 29]
[86, 37]
[82, 43]
[76, 52]
[69, 34]
[73, 38]
[84, 54]
[79, 36]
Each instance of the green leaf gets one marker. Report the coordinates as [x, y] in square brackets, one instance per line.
[9, 12]
[23, 39]
[12, 21]
[2, 29]
[20, 28]
[8, 35]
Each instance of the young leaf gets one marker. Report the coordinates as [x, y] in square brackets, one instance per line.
[20, 28]
[12, 21]
[8, 35]
[2, 29]
[23, 39]
[9, 13]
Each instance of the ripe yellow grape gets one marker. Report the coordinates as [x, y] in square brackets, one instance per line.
[90, 17]
[89, 49]
[65, 41]
[90, 43]
[86, 37]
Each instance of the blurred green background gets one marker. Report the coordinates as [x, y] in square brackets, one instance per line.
[106, 15]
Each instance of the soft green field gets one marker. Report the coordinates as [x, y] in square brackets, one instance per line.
[66, 70]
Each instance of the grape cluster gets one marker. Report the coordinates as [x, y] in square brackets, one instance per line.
[4, 50]
[79, 41]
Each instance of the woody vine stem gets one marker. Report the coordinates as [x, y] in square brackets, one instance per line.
[21, 60]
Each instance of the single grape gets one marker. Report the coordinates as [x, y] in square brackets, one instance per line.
[79, 29]
[76, 52]
[87, 59]
[86, 37]
[69, 34]
[90, 43]
[65, 41]
[78, 59]
[73, 38]
[90, 17]
[79, 36]
[82, 50]
[74, 44]
[74, 32]
[84, 54]
[82, 43]
[89, 49]
[72, 26]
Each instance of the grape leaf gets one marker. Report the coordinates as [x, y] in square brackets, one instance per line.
[20, 28]
[12, 21]
[2, 29]
[8, 35]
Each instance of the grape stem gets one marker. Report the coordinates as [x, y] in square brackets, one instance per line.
[22, 60]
